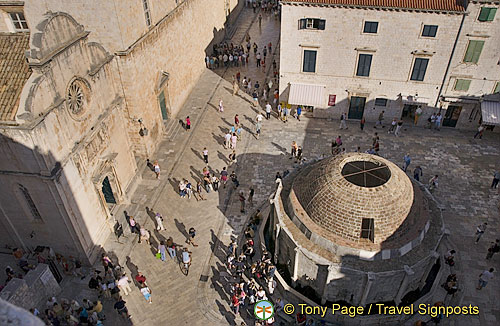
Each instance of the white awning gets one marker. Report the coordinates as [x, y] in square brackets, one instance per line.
[303, 94]
[490, 112]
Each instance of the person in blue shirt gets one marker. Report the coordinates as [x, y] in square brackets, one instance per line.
[299, 112]
[407, 161]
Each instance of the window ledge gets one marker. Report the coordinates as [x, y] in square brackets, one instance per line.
[309, 46]
[365, 49]
[423, 53]
[478, 35]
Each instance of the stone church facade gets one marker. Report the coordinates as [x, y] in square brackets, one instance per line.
[88, 79]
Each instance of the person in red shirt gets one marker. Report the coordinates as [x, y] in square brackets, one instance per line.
[141, 279]
[235, 303]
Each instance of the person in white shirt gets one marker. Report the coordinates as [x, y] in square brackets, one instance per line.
[268, 110]
[123, 284]
[227, 140]
[484, 278]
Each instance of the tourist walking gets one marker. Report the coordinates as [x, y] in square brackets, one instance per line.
[362, 123]
[242, 202]
[431, 120]
[236, 88]
[123, 284]
[268, 110]
[191, 235]
[250, 196]
[188, 123]
[294, 149]
[496, 179]
[133, 225]
[144, 235]
[156, 167]
[146, 292]
[171, 248]
[493, 249]
[480, 229]
[418, 113]
[479, 132]
[223, 176]
[484, 278]
[227, 140]
[438, 121]
[299, 112]
[234, 140]
[433, 183]
[162, 250]
[205, 155]
[159, 222]
[380, 119]
[343, 125]
[234, 179]
[417, 173]
[221, 106]
[398, 128]
[393, 126]
[232, 157]
[407, 161]
[198, 193]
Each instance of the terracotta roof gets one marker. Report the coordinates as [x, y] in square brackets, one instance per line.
[14, 72]
[438, 5]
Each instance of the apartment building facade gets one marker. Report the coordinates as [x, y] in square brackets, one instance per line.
[364, 57]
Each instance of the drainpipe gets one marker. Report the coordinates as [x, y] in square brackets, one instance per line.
[451, 58]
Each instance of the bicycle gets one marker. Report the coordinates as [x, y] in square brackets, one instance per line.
[184, 266]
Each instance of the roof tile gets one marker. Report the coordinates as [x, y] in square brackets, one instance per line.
[14, 72]
[438, 5]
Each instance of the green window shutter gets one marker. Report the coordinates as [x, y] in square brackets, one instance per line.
[473, 51]
[491, 14]
[483, 15]
[497, 88]
[462, 85]
[487, 14]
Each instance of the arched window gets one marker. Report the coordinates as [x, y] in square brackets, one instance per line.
[30, 202]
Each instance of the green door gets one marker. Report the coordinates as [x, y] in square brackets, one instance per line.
[163, 106]
[356, 107]
[107, 192]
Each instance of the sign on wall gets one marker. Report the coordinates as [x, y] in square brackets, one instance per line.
[331, 100]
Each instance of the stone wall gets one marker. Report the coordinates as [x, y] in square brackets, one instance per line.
[11, 315]
[34, 289]
[176, 46]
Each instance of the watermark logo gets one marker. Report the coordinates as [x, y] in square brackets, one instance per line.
[263, 310]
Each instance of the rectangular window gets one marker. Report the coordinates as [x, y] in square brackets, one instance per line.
[497, 88]
[312, 23]
[380, 102]
[429, 31]
[473, 51]
[371, 27]
[462, 85]
[487, 14]
[368, 229]
[18, 21]
[419, 68]
[147, 12]
[309, 61]
[364, 64]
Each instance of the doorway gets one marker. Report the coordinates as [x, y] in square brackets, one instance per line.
[163, 105]
[451, 116]
[108, 192]
[356, 107]
[409, 112]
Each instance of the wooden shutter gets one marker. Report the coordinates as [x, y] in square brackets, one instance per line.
[321, 24]
[302, 23]
[483, 15]
[491, 14]
[462, 85]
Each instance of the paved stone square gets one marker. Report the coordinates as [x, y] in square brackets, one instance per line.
[465, 167]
